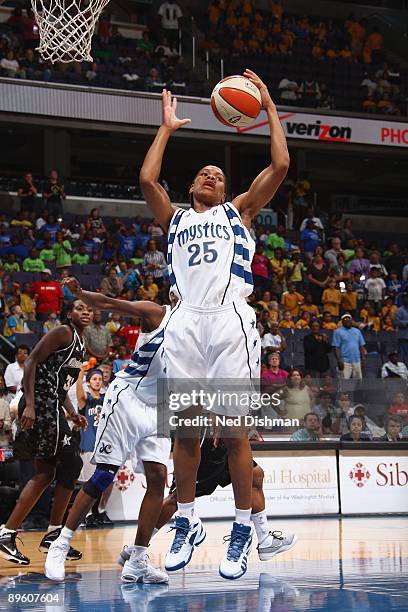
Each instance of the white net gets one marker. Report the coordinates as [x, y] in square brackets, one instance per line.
[66, 28]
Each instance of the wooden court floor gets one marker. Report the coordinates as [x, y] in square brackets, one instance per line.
[338, 564]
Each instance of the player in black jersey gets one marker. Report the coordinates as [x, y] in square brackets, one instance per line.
[49, 372]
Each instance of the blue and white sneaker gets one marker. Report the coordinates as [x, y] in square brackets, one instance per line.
[186, 537]
[235, 561]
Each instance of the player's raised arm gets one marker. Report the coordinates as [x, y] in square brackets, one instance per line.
[154, 194]
[99, 301]
[267, 182]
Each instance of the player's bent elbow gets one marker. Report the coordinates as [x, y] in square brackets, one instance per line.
[146, 179]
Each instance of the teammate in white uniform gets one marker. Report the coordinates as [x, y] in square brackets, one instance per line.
[128, 423]
[213, 333]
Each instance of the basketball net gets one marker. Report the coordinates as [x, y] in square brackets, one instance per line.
[66, 28]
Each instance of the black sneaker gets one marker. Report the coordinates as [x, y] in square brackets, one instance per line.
[92, 522]
[9, 550]
[50, 537]
[104, 519]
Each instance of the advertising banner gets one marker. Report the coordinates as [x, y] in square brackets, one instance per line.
[373, 482]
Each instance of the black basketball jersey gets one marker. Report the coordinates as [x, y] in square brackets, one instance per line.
[60, 370]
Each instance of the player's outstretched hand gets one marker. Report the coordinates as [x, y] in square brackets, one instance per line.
[79, 422]
[267, 101]
[72, 285]
[169, 106]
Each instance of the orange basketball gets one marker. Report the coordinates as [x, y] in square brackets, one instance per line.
[236, 101]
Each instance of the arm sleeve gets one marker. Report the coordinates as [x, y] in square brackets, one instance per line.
[336, 339]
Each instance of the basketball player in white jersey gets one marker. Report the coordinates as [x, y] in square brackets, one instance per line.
[128, 423]
[213, 334]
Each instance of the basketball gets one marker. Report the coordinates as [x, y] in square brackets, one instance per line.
[236, 101]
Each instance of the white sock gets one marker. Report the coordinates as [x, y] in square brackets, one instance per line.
[101, 510]
[53, 528]
[186, 510]
[66, 534]
[243, 516]
[138, 551]
[4, 530]
[260, 521]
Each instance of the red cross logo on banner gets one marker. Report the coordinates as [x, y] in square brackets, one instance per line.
[124, 478]
[359, 475]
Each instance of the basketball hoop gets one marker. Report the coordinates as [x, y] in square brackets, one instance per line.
[66, 28]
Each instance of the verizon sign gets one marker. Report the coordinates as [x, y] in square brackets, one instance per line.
[373, 482]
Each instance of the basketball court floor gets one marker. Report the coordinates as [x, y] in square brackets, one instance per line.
[338, 565]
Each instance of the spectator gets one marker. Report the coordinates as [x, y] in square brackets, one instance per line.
[122, 360]
[311, 430]
[9, 65]
[309, 307]
[170, 14]
[395, 261]
[52, 322]
[81, 257]
[47, 253]
[310, 238]
[399, 407]
[318, 275]
[316, 349]
[356, 433]
[47, 295]
[33, 263]
[360, 264]
[62, 251]
[98, 339]
[272, 338]
[287, 321]
[331, 298]
[288, 90]
[261, 268]
[279, 266]
[273, 374]
[5, 417]
[392, 430]
[331, 255]
[27, 303]
[349, 300]
[13, 374]
[27, 192]
[309, 92]
[155, 263]
[54, 195]
[310, 216]
[393, 368]
[349, 348]
[130, 333]
[401, 324]
[295, 271]
[297, 395]
[114, 323]
[149, 289]
[11, 265]
[112, 285]
[15, 324]
[375, 288]
[291, 300]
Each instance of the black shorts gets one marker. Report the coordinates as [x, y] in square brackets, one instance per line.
[50, 436]
[213, 470]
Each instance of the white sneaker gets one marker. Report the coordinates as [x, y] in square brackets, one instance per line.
[280, 544]
[55, 561]
[138, 569]
[235, 561]
[186, 537]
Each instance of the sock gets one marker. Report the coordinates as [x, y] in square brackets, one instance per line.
[186, 510]
[260, 521]
[243, 516]
[53, 528]
[66, 534]
[101, 510]
[5, 531]
[138, 551]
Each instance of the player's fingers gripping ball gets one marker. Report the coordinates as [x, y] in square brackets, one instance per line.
[236, 101]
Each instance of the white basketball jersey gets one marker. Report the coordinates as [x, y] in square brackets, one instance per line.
[147, 363]
[209, 256]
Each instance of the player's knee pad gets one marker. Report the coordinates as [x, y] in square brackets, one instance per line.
[68, 471]
[100, 480]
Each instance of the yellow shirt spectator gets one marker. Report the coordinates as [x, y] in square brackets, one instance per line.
[292, 301]
[331, 299]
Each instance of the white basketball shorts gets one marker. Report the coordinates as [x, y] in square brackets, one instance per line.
[218, 348]
[127, 425]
